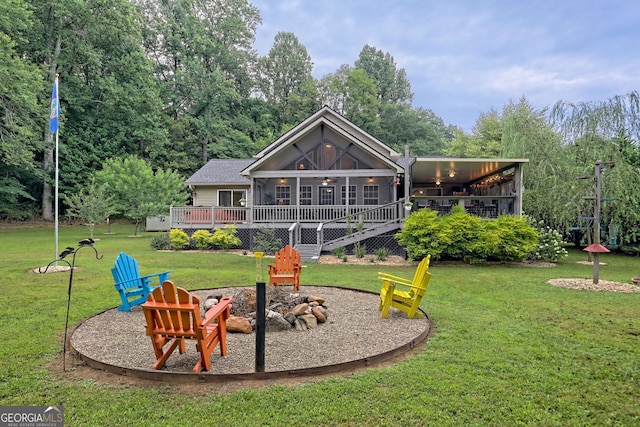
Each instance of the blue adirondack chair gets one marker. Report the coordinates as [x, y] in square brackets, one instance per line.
[133, 287]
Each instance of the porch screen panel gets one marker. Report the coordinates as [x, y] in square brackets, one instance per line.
[283, 194]
[306, 196]
[352, 195]
[370, 195]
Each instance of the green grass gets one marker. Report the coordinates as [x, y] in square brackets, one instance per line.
[508, 349]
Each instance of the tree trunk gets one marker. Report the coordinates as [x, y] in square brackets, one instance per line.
[47, 189]
[205, 145]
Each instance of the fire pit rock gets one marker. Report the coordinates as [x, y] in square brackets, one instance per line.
[286, 311]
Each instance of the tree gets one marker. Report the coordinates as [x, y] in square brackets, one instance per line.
[607, 131]
[420, 129]
[552, 193]
[203, 56]
[92, 204]
[392, 84]
[109, 100]
[484, 141]
[616, 117]
[137, 190]
[20, 111]
[285, 75]
[361, 104]
[332, 89]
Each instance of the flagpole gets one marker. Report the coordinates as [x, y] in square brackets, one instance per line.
[56, 198]
[54, 128]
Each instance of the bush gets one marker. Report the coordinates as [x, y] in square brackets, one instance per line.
[457, 232]
[359, 250]
[460, 236]
[338, 252]
[179, 239]
[161, 242]
[202, 239]
[266, 241]
[382, 253]
[509, 239]
[550, 245]
[420, 235]
[226, 238]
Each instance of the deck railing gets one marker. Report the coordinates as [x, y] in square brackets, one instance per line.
[216, 216]
[219, 216]
[482, 206]
[206, 216]
[317, 213]
[363, 221]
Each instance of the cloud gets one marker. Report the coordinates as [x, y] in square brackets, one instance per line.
[463, 58]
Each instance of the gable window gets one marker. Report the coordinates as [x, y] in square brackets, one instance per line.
[348, 162]
[352, 195]
[370, 195]
[305, 195]
[230, 198]
[326, 156]
[283, 194]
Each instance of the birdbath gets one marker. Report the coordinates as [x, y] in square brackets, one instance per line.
[596, 249]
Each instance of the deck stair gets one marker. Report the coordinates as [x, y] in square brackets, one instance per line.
[358, 236]
[308, 252]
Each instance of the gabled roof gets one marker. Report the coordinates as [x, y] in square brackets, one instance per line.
[221, 171]
[340, 125]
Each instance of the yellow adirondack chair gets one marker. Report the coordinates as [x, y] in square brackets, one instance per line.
[409, 300]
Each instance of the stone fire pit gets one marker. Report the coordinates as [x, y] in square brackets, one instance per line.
[285, 310]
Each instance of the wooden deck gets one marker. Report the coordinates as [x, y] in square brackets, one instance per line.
[270, 215]
[215, 216]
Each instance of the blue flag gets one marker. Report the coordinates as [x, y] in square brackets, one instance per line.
[55, 109]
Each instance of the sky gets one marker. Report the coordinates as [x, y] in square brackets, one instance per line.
[464, 57]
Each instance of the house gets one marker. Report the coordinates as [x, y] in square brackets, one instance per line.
[327, 183]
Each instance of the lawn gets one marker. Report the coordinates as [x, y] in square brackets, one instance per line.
[508, 348]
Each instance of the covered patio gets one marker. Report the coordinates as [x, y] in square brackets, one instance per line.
[484, 187]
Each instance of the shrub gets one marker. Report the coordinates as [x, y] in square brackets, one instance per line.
[226, 238]
[550, 245]
[202, 239]
[509, 238]
[266, 241]
[338, 252]
[420, 235]
[382, 253]
[461, 236]
[359, 250]
[161, 242]
[179, 239]
[457, 231]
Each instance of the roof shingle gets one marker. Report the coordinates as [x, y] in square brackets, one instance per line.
[221, 171]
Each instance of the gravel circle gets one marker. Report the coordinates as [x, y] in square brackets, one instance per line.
[588, 285]
[354, 330]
